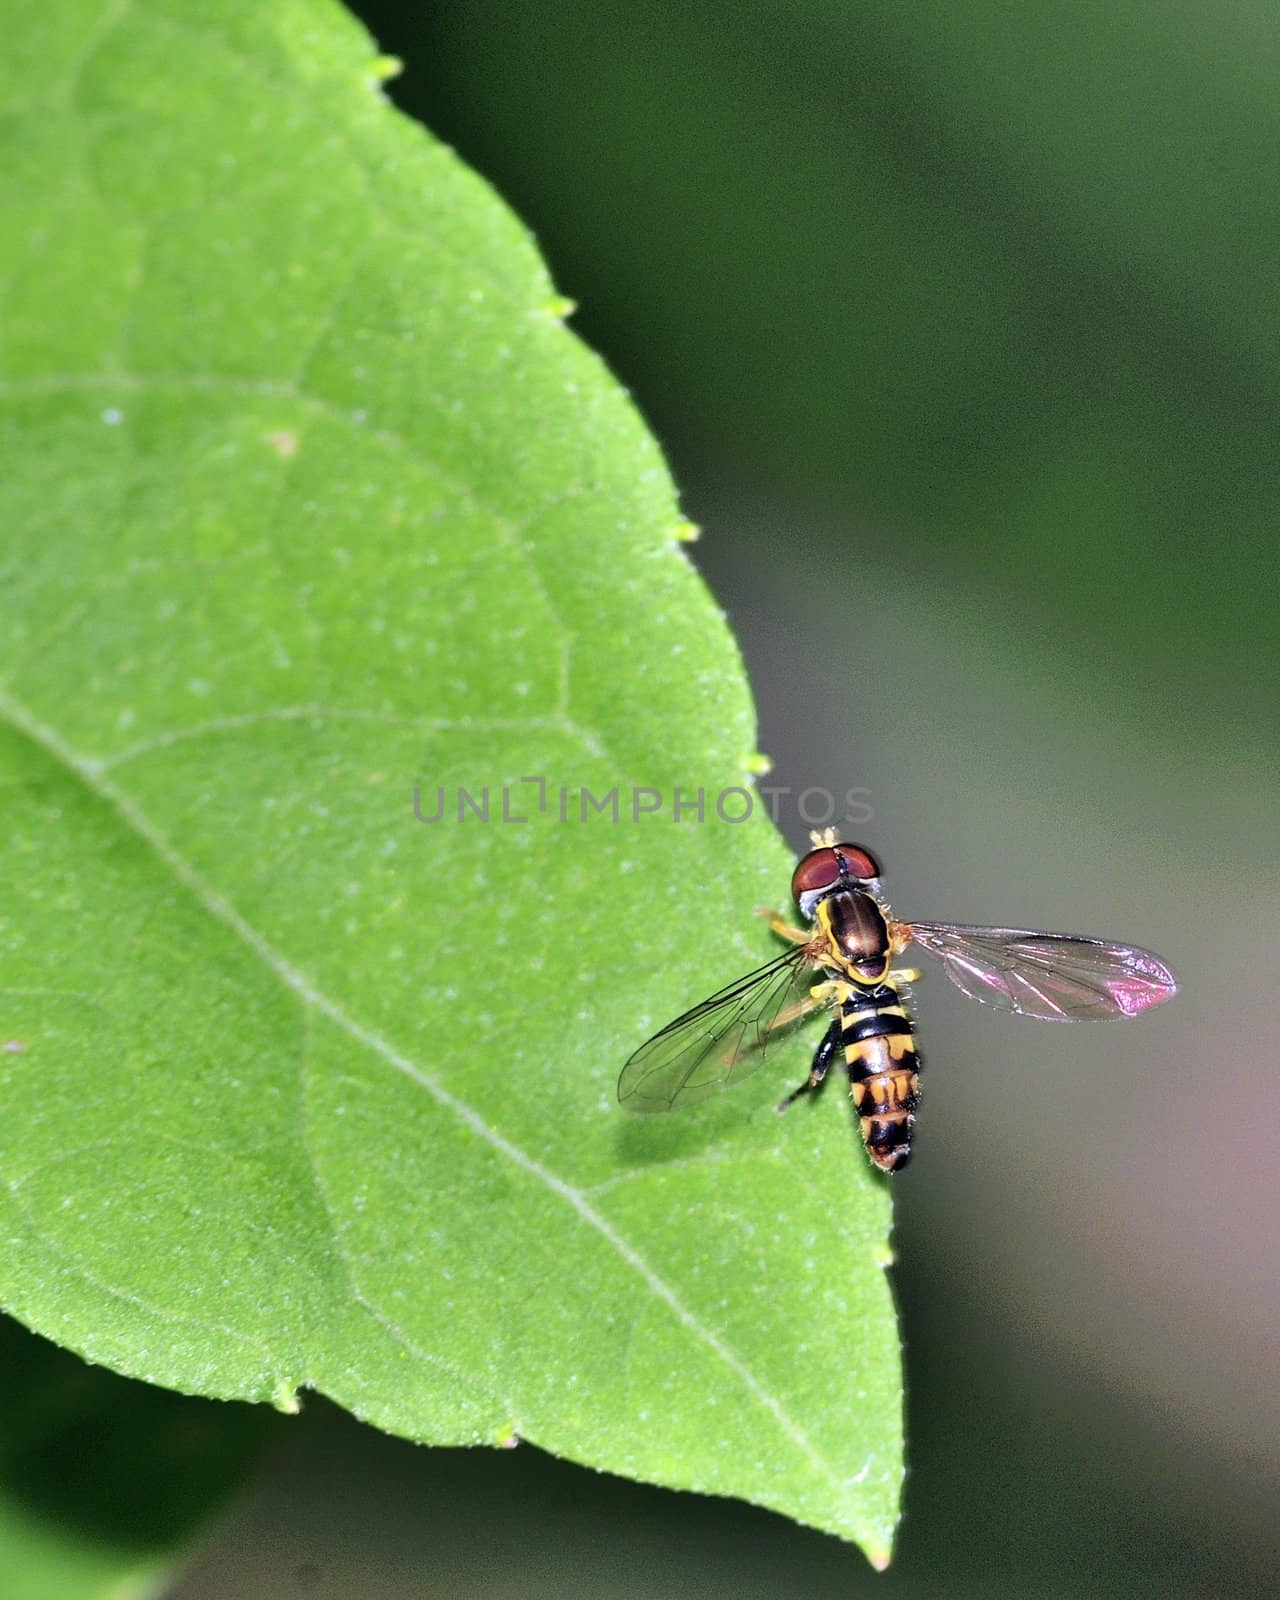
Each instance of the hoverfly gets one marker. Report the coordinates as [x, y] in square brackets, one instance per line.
[852, 938]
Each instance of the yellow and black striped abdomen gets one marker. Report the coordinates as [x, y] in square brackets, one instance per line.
[884, 1073]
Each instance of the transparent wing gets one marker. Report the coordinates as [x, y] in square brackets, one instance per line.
[1052, 975]
[717, 1043]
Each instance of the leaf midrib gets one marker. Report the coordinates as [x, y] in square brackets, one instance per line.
[90, 775]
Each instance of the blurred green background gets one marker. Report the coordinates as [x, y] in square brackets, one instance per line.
[959, 323]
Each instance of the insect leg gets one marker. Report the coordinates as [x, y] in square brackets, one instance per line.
[790, 1014]
[817, 996]
[823, 1056]
[783, 928]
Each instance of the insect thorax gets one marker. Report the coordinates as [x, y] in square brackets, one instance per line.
[858, 933]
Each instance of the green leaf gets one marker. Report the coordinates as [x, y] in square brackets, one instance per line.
[103, 1482]
[311, 499]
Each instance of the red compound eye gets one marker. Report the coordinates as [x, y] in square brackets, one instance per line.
[818, 870]
[859, 863]
[826, 865]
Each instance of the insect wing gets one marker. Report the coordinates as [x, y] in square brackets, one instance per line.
[1057, 976]
[717, 1043]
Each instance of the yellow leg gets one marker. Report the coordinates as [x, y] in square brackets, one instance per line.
[818, 996]
[906, 975]
[790, 1014]
[783, 928]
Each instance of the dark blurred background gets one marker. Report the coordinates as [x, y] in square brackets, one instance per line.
[959, 323]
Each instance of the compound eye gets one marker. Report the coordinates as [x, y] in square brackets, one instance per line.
[818, 870]
[859, 863]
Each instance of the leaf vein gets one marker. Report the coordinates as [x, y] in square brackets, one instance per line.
[223, 911]
[387, 1323]
[184, 1318]
[213, 726]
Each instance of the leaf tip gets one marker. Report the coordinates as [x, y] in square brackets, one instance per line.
[508, 1439]
[884, 1255]
[686, 532]
[386, 67]
[758, 764]
[879, 1557]
[562, 307]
